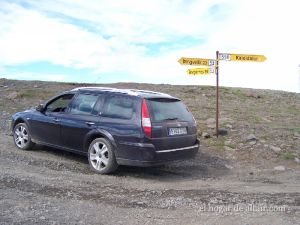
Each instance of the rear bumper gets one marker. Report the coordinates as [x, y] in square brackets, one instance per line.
[149, 156]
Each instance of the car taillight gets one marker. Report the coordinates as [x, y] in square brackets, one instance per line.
[146, 122]
[191, 115]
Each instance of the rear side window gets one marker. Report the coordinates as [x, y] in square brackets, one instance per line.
[168, 109]
[84, 104]
[118, 107]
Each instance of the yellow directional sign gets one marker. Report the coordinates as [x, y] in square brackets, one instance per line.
[197, 61]
[241, 57]
[200, 71]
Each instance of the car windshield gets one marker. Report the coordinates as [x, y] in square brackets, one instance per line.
[163, 109]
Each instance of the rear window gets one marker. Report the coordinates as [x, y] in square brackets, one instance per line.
[168, 109]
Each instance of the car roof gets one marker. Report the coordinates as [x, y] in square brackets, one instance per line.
[132, 92]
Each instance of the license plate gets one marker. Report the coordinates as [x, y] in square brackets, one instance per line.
[177, 131]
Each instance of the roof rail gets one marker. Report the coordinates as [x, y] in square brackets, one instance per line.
[134, 92]
[149, 92]
[99, 88]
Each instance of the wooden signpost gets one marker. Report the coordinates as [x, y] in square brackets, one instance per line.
[212, 66]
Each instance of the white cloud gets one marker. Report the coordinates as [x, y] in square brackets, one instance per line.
[33, 37]
[141, 21]
[113, 36]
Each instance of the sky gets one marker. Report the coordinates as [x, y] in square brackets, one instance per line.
[141, 41]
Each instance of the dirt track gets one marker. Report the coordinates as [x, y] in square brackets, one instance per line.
[47, 186]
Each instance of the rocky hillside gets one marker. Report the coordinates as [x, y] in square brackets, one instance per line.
[262, 126]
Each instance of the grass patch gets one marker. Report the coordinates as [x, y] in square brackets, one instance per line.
[296, 130]
[35, 93]
[289, 156]
[254, 119]
[240, 94]
[233, 146]
[292, 110]
[226, 90]
[216, 142]
[2, 106]
[28, 94]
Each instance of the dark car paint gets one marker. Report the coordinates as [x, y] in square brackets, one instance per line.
[74, 133]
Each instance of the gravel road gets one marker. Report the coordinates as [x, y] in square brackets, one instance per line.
[48, 186]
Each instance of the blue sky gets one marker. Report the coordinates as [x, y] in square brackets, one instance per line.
[141, 41]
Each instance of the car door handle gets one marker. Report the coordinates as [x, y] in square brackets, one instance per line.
[56, 120]
[90, 123]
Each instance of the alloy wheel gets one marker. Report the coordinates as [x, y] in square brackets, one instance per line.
[99, 156]
[21, 137]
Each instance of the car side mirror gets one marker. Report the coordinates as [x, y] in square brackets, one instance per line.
[40, 108]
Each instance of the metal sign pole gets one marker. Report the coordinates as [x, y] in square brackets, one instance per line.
[217, 93]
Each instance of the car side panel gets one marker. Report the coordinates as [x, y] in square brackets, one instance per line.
[75, 128]
[123, 132]
[46, 127]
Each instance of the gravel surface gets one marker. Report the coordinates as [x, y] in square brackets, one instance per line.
[48, 186]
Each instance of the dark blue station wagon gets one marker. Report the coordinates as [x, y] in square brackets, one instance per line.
[111, 126]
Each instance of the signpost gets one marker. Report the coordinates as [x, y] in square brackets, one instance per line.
[197, 61]
[201, 71]
[212, 66]
[242, 57]
[217, 94]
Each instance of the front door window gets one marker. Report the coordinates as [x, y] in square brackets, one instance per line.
[60, 104]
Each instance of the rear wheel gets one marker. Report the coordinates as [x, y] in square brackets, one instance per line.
[22, 137]
[101, 156]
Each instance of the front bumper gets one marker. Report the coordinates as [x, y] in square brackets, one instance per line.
[151, 157]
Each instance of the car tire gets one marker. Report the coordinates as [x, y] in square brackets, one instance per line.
[101, 156]
[22, 137]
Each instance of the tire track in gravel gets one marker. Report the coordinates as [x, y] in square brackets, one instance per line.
[133, 198]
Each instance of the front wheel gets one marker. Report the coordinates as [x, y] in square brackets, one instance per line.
[101, 156]
[22, 137]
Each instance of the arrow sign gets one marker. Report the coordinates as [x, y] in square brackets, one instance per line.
[200, 71]
[241, 57]
[197, 61]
